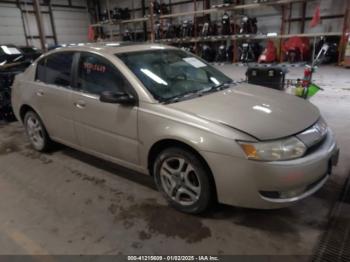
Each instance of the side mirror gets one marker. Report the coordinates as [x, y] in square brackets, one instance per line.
[117, 98]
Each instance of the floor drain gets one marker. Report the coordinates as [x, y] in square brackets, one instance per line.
[335, 243]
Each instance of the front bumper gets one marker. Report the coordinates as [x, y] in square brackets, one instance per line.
[266, 185]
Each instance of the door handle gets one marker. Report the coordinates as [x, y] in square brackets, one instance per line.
[40, 93]
[80, 104]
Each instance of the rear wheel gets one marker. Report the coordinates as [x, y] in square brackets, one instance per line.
[36, 132]
[183, 180]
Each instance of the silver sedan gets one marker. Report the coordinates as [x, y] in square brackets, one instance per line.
[164, 112]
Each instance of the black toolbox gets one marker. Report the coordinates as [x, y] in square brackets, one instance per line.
[268, 76]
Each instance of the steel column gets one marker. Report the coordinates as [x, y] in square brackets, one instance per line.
[39, 20]
[346, 28]
[52, 20]
[282, 32]
[151, 4]
[303, 12]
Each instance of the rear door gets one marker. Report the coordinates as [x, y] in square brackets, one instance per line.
[54, 95]
[108, 129]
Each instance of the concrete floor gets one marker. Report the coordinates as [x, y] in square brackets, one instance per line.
[67, 202]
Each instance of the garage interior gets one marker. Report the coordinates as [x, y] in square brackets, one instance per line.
[69, 203]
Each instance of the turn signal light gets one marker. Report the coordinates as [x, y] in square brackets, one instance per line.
[249, 150]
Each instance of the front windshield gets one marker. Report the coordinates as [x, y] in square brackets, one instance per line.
[170, 73]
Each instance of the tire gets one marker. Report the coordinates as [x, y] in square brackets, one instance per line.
[193, 195]
[36, 132]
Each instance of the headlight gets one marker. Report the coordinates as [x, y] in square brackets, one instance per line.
[285, 149]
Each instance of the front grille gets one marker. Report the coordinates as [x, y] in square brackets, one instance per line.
[316, 146]
[315, 134]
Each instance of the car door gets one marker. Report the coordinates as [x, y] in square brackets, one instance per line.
[53, 95]
[104, 128]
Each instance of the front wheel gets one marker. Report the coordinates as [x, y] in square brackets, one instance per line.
[36, 132]
[183, 180]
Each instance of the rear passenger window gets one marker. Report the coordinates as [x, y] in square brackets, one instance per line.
[56, 69]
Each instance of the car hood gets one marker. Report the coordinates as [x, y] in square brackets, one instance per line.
[261, 112]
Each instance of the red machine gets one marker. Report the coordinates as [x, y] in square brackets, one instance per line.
[296, 49]
[269, 55]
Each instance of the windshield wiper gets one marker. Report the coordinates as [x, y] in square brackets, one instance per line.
[221, 86]
[177, 98]
[199, 92]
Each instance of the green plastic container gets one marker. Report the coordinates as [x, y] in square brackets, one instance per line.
[312, 90]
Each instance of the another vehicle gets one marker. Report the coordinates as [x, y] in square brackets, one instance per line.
[162, 111]
[30, 52]
[12, 62]
[10, 54]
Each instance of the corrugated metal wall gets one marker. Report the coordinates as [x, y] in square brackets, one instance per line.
[11, 28]
[71, 24]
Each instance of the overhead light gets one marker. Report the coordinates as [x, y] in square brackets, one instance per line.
[153, 76]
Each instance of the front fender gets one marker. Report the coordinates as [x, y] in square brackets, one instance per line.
[199, 134]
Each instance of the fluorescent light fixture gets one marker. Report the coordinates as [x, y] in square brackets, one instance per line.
[153, 76]
[3, 62]
[262, 109]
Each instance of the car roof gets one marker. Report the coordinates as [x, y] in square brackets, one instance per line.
[112, 47]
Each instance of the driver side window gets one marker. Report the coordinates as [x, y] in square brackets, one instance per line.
[96, 75]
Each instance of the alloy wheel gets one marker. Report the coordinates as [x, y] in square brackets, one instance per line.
[180, 181]
[35, 132]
